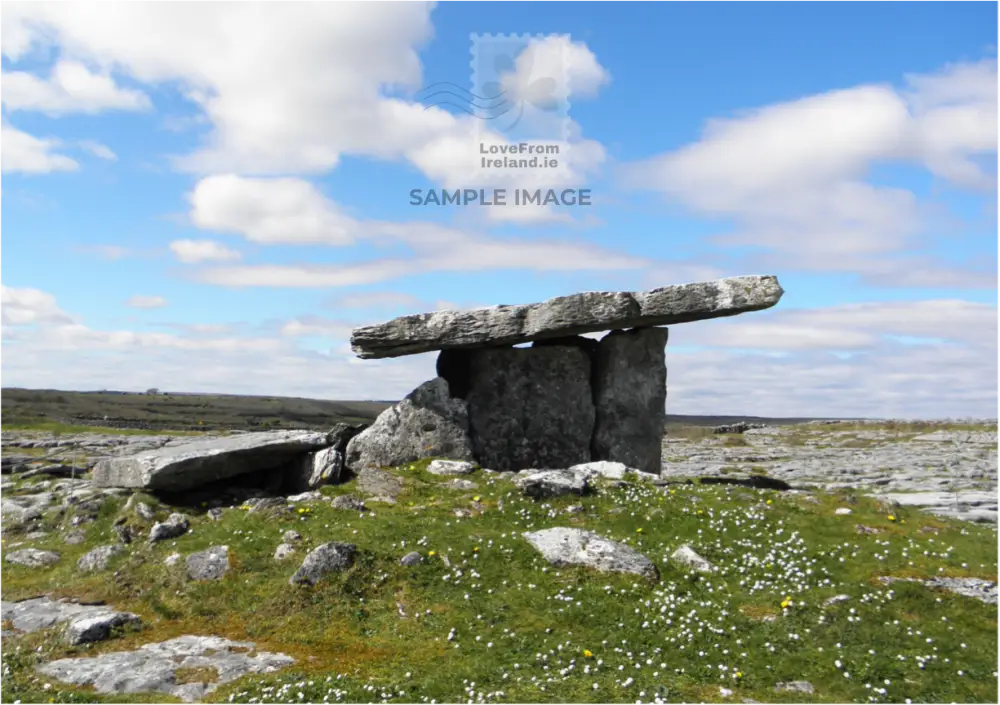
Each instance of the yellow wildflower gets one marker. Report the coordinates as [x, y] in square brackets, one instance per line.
[891, 517]
[587, 653]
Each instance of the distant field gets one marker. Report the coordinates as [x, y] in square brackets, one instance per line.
[177, 412]
[69, 411]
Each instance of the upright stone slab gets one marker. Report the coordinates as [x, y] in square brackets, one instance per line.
[630, 394]
[528, 407]
[428, 423]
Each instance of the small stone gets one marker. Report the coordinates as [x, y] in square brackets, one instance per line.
[144, 511]
[836, 599]
[175, 525]
[215, 514]
[575, 509]
[450, 467]
[796, 687]
[842, 511]
[98, 628]
[542, 484]
[411, 559]
[348, 502]
[75, 537]
[172, 559]
[310, 496]
[566, 546]
[686, 556]
[283, 551]
[291, 535]
[457, 484]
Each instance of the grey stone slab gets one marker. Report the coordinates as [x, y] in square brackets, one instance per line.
[587, 312]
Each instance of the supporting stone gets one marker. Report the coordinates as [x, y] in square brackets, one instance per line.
[528, 407]
[428, 423]
[630, 394]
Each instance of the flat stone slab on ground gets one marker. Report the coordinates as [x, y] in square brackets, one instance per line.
[86, 622]
[203, 461]
[588, 312]
[154, 667]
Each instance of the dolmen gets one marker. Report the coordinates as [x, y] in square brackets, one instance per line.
[563, 401]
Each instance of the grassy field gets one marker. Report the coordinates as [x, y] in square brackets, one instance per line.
[70, 412]
[485, 619]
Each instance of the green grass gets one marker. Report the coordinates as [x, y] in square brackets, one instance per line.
[523, 628]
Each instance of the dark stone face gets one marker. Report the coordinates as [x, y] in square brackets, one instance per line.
[630, 394]
[528, 407]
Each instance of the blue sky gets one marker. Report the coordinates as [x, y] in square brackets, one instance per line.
[210, 198]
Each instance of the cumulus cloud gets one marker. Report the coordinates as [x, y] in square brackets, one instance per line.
[70, 88]
[269, 211]
[320, 94]
[27, 306]
[293, 212]
[146, 302]
[22, 153]
[792, 175]
[198, 251]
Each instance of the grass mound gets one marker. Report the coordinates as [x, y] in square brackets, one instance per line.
[484, 619]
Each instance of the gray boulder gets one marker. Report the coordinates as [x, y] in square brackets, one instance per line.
[564, 546]
[327, 558]
[427, 423]
[210, 564]
[348, 502]
[32, 557]
[630, 394]
[587, 312]
[180, 467]
[528, 407]
[85, 621]
[98, 558]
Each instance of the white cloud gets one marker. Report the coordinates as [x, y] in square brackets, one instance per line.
[569, 67]
[882, 376]
[101, 151]
[454, 252]
[198, 251]
[792, 176]
[315, 94]
[146, 302]
[70, 88]
[269, 211]
[20, 152]
[26, 306]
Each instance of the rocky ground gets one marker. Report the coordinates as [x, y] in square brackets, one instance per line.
[48, 505]
[950, 470]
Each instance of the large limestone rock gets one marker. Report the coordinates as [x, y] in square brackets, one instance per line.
[565, 315]
[427, 423]
[528, 407]
[197, 463]
[630, 394]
